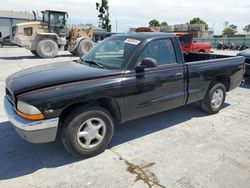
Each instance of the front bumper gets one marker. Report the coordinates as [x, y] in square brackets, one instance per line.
[247, 71]
[42, 131]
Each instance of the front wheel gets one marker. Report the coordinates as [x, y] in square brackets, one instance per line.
[87, 131]
[84, 47]
[214, 98]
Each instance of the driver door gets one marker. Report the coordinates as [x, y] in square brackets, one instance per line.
[156, 89]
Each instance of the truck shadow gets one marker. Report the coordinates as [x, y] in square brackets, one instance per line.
[19, 158]
[19, 57]
[246, 84]
[35, 57]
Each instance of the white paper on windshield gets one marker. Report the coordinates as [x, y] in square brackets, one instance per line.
[132, 41]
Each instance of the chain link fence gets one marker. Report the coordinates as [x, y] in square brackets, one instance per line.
[215, 41]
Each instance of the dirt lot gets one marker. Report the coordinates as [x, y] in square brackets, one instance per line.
[183, 147]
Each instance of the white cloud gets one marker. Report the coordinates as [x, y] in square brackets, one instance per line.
[133, 13]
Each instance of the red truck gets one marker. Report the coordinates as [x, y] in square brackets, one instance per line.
[186, 40]
[188, 45]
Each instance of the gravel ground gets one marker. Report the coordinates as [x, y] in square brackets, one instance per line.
[183, 147]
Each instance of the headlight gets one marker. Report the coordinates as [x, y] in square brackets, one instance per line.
[28, 111]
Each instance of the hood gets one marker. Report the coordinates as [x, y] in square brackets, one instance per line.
[30, 23]
[53, 74]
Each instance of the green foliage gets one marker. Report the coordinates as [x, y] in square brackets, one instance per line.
[230, 31]
[154, 23]
[247, 28]
[103, 16]
[199, 21]
[164, 24]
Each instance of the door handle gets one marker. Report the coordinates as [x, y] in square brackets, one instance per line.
[179, 75]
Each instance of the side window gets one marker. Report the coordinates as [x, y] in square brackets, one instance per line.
[161, 50]
[185, 39]
[28, 31]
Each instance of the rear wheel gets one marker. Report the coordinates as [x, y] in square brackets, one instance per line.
[214, 99]
[47, 48]
[87, 131]
[84, 46]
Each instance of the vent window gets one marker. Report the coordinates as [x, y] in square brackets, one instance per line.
[28, 31]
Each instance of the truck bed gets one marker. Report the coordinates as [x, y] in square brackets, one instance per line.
[203, 68]
[191, 57]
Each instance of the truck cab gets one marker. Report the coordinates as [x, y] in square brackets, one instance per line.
[189, 45]
[56, 21]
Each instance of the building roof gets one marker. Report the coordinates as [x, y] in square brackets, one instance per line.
[16, 14]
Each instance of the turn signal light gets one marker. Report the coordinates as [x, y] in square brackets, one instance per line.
[33, 117]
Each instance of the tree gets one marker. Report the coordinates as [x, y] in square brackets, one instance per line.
[247, 28]
[154, 23]
[103, 16]
[164, 24]
[230, 30]
[199, 21]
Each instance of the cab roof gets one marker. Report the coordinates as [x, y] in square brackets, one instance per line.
[54, 11]
[147, 35]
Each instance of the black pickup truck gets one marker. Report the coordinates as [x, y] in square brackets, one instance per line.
[122, 78]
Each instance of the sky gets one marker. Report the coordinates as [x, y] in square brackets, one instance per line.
[135, 13]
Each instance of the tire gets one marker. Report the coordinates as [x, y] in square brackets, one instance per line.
[80, 133]
[1, 45]
[202, 51]
[84, 47]
[34, 52]
[47, 48]
[214, 98]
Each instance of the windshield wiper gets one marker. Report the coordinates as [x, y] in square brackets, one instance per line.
[92, 63]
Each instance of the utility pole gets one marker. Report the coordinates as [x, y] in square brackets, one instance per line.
[116, 25]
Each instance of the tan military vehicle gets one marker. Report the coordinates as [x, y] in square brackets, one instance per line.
[45, 38]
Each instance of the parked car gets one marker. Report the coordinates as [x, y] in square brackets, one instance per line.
[6, 41]
[246, 54]
[85, 99]
[189, 45]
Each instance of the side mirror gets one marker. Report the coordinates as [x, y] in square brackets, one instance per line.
[146, 63]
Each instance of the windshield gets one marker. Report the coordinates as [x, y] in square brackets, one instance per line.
[185, 39]
[113, 53]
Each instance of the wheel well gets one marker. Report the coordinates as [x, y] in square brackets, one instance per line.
[224, 79]
[109, 104]
[202, 51]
